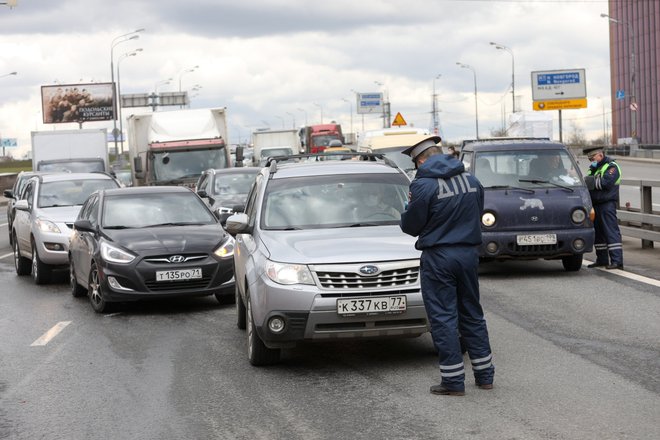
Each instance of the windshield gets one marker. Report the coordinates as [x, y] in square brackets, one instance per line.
[144, 210]
[526, 169]
[73, 166]
[172, 165]
[70, 192]
[321, 202]
[324, 140]
[234, 183]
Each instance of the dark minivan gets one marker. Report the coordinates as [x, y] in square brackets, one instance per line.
[536, 202]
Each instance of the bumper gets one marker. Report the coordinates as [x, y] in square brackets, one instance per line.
[309, 314]
[53, 249]
[503, 245]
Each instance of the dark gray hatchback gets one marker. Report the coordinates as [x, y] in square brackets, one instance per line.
[536, 202]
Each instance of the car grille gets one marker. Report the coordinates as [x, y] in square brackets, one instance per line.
[164, 259]
[185, 285]
[388, 279]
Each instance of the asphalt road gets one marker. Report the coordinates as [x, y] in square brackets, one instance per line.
[577, 356]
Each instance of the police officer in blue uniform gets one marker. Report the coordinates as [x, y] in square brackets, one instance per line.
[444, 212]
[605, 199]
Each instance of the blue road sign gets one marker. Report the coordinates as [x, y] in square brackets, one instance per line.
[8, 142]
[559, 78]
[620, 94]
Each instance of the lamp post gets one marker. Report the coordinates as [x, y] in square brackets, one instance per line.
[435, 107]
[350, 104]
[121, 120]
[161, 83]
[293, 119]
[305, 112]
[513, 74]
[633, 100]
[9, 74]
[476, 106]
[154, 95]
[386, 105]
[320, 107]
[115, 41]
[357, 94]
[184, 71]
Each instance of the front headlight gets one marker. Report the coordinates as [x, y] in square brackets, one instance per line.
[226, 249]
[488, 219]
[114, 254]
[47, 226]
[289, 273]
[578, 216]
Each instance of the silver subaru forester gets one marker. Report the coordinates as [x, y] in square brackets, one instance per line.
[320, 255]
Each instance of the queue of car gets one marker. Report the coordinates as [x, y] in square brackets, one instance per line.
[308, 246]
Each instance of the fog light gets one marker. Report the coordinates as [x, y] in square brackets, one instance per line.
[491, 247]
[54, 246]
[276, 324]
[115, 284]
[578, 244]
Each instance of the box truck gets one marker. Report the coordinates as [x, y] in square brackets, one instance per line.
[76, 151]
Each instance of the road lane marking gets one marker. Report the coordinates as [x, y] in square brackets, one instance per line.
[2, 257]
[50, 334]
[629, 275]
[4, 224]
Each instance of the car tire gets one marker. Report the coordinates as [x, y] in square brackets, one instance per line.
[572, 263]
[240, 309]
[95, 293]
[40, 271]
[23, 265]
[76, 289]
[258, 353]
[223, 298]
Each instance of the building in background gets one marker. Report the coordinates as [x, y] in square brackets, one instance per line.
[635, 77]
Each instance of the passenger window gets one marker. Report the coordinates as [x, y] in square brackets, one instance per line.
[28, 193]
[467, 160]
[93, 212]
[203, 183]
[250, 206]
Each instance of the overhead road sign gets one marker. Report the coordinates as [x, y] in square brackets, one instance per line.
[369, 103]
[561, 104]
[559, 84]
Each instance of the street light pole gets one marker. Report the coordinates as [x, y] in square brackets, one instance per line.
[633, 100]
[9, 74]
[476, 106]
[513, 74]
[320, 107]
[154, 104]
[293, 119]
[305, 112]
[350, 103]
[435, 107]
[118, 40]
[121, 120]
[386, 105]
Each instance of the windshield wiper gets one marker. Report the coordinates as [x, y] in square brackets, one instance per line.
[118, 227]
[56, 206]
[510, 187]
[538, 181]
[174, 224]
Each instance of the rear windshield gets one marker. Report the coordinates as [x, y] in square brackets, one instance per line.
[527, 169]
[70, 192]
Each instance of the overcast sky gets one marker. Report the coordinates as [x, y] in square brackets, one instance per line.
[279, 62]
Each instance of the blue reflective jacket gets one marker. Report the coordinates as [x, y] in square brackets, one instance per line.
[607, 175]
[445, 206]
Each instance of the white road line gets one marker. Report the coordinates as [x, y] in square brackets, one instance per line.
[4, 224]
[629, 275]
[6, 256]
[50, 334]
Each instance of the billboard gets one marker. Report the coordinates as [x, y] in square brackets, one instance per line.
[559, 89]
[62, 103]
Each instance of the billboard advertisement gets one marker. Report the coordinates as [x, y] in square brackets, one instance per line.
[62, 103]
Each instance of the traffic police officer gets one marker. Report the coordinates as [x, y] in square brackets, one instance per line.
[605, 198]
[444, 212]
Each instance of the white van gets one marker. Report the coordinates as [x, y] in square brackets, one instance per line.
[391, 142]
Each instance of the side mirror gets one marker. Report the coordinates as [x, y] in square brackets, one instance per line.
[8, 193]
[22, 205]
[137, 164]
[83, 226]
[237, 224]
[590, 181]
[202, 193]
[239, 154]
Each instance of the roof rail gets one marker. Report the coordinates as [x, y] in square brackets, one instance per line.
[271, 162]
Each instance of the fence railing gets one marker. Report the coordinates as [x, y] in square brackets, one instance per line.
[641, 223]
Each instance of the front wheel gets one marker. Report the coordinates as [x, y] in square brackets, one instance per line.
[95, 293]
[572, 263]
[240, 309]
[258, 353]
[40, 270]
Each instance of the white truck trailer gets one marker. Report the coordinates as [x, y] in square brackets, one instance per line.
[82, 150]
[174, 147]
[274, 143]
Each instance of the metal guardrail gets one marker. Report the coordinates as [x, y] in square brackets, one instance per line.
[642, 223]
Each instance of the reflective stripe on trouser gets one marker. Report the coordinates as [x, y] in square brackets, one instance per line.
[609, 249]
[450, 288]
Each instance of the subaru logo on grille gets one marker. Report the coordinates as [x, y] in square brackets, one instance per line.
[176, 259]
[369, 270]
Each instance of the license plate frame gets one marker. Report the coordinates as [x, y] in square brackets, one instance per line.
[372, 305]
[193, 273]
[536, 239]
